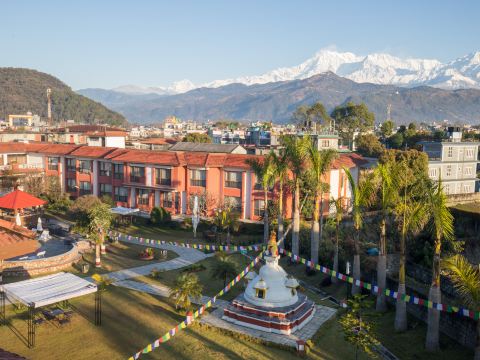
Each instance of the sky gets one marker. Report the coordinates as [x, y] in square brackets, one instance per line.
[111, 43]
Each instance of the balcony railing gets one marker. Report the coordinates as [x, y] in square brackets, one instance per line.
[137, 179]
[85, 192]
[118, 176]
[233, 184]
[165, 182]
[121, 198]
[21, 167]
[85, 170]
[195, 182]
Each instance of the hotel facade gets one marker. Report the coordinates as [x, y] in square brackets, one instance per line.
[169, 179]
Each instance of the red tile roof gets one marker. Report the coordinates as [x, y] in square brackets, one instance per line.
[92, 151]
[106, 133]
[148, 157]
[159, 141]
[13, 228]
[54, 149]
[348, 160]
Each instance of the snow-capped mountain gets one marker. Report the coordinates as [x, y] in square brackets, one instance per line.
[377, 68]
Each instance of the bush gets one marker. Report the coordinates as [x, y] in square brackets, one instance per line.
[160, 216]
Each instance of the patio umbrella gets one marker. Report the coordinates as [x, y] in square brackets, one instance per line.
[195, 216]
[18, 221]
[39, 224]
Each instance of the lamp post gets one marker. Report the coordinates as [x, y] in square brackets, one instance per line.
[347, 271]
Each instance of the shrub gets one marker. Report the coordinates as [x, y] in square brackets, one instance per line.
[160, 216]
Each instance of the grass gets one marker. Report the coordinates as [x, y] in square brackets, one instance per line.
[123, 256]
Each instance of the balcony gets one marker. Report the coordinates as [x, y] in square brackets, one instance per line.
[118, 176]
[164, 182]
[137, 179]
[85, 170]
[233, 184]
[85, 192]
[200, 183]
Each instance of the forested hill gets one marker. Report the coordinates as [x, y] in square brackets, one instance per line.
[23, 90]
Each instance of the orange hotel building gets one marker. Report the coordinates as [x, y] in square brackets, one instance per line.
[144, 179]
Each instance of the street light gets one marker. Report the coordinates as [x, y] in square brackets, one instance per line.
[347, 271]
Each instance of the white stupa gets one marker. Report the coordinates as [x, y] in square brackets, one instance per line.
[271, 302]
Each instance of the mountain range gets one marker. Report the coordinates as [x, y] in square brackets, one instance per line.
[377, 68]
[276, 101]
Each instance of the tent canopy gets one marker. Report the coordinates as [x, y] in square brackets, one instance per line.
[50, 289]
[18, 199]
[120, 210]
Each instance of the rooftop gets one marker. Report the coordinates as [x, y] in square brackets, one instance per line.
[205, 147]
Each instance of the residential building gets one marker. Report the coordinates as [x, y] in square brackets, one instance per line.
[454, 162]
[144, 179]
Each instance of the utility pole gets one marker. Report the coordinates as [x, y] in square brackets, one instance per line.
[49, 107]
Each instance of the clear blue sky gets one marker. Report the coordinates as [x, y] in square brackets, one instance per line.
[90, 43]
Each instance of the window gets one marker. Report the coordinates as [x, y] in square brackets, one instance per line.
[234, 202]
[16, 159]
[467, 188]
[143, 196]
[121, 194]
[84, 166]
[448, 171]
[167, 200]
[105, 189]
[85, 188]
[259, 207]
[450, 151]
[118, 171]
[137, 174]
[325, 143]
[71, 165]
[53, 163]
[71, 185]
[446, 189]
[198, 178]
[233, 179]
[261, 294]
[105, 168]
[469, 153]
[468, 170]
[432, 173]
[163, 177]
[258, 184]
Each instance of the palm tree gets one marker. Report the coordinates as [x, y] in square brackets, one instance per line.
[186, 286]
[411, 217]
[99, 220]
[295, 151]
[320, 162]
[361, 198]
[441, 228]
[223, 269]
[280, 163]
[466, 279]
[265, 173]
[339, 211]
[227, 220]
[385, 176]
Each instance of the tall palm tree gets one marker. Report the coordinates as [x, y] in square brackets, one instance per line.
[361, 198]
[186, 287]
[320, 162]
[441, 228]
[265, 173]
[295, 150]
[339, 212]
[466, 279]
[411, 216]
[280, 163]
[227, 220]
[99, 220]
[385, 176]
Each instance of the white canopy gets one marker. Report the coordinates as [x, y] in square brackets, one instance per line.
[50, 289]
[120, 210]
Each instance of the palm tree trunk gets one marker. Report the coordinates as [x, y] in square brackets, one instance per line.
[434, 295]
[335, 255]
[103, 249]
[356, 263]
[381, 305]
[97, 256]
[321, 216]
[315, 234]
[265, 218]
[280, 213]
[401, 306]
[477, 345]
[296, 220]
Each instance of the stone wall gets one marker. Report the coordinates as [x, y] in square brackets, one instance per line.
[424, 275]
[41, 266]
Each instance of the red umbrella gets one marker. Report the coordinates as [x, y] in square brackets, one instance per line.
[18, 199]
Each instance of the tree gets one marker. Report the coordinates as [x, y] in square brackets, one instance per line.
[224, 269]
[99, 219]
[186, 286]
[466, 279]
[80, 212]
[357, 331]
[351, 118]
[227, 220]
[369, 145]
[197, 138]
[441, 228]
[361, 198]
[339, 212]
[385, 178]
[387, 128]
[264, 170]
[396, 141]
[295, 152]
[310, 118]
[320, 162]
[280, 163]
